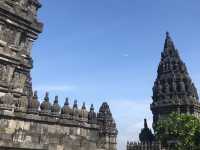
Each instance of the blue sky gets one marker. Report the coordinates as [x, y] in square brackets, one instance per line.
[108, 50]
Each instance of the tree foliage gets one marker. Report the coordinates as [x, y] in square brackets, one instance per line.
[180, 129]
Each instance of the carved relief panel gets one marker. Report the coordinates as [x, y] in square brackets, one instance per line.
[19, 135]
[25, 45]
[18, 81]
[21, 104]
[6, 72]
[9, 34]
[32, 8]
[29, 45]
[23, 3]
[2, 34]
[28, 86]
[1, 31]
[25, 48]
[3, 73]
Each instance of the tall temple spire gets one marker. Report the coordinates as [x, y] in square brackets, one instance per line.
[146, 135]
[168, 42]
[173, 89]
[169, 48]
[145, 123]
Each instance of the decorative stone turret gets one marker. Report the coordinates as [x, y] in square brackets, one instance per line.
[75, 110]
[66, 111]
[108, 129]
[83, 113]
[46, 105]
[173, 89]
[106, 121]
[7, 102]
[92, 117]
[147, 140]
[55, 109]
[146, 135]
[33, 104]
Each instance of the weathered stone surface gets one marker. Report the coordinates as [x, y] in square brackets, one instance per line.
[24, 122]
[33, 132]
[173, 89]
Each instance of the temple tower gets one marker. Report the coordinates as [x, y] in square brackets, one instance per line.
[146, 135]
[173, 89]
[108, 131]
[19, 28]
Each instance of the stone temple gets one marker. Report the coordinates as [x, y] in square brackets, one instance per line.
[173, 91]
[26, 124]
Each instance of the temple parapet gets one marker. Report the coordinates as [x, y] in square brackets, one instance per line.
[97, 128]
[144, 146]
[46, 111]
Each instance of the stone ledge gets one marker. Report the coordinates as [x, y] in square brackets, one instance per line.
[27, 146]
[47, 120]
[32, 22]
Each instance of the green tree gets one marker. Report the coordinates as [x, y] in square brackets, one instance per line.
[181, 130]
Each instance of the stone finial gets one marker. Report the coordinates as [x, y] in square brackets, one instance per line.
[75, 110]
[92, 107]
[66, 101]
[83, 106]
[46, 105]
[167, 34]
[35, 94]
[83, 113]
[169, 48]
[75, 104]
[66, 110]
[92, 118]
[46, 98]
[33, 104]
[56, 107]
[146, 134]
[145, 123]
[56, 100]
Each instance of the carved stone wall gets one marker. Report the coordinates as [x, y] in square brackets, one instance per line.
[144, 146]
[19, 28]
[43, 135]
[32, 131]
